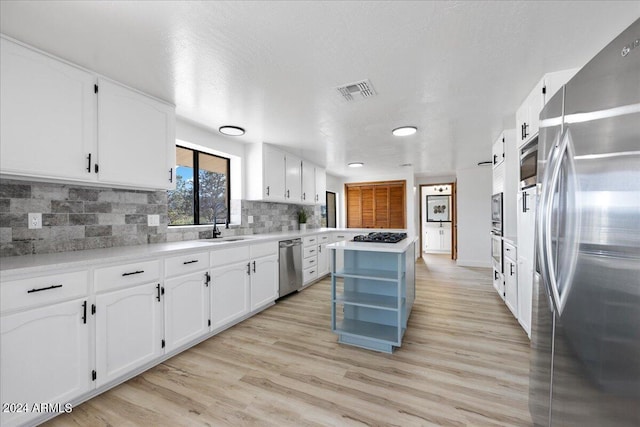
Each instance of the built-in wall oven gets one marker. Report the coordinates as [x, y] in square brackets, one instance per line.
[496, 231]
[496, 251]
[496, 213]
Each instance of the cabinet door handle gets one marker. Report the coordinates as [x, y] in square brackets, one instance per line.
[511, 269]
[43, 289]
[287, 194]
[207, 279]
[254, 266]
[89, 163]
[267, 190]
[84, 312]
[190, 262]
[524, 202]
[495, 159]
[171, 175]
[320, 249]
[249, 268]
[132, 273]
[158, 289]
[304, 196]
[525, 129]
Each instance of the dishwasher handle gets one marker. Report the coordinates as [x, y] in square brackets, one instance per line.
[290, 243]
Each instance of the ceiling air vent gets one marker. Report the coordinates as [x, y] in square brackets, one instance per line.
[357, 91]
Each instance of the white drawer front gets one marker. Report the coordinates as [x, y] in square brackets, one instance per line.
[310, 241]
[126, 275]
[229, 256]
[309, 274]
[37, 291]
[510, 251]
[184, 264]
[324, 238]
[264, 249]
[310, 251]
[309, 262]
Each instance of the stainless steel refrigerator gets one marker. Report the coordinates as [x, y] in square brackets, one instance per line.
[585, 361]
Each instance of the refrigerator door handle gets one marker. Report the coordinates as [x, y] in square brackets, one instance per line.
[564, 152]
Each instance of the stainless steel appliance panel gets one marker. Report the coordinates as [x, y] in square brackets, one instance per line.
[290, 266]
[528, 164]
[496, 213]
[588, 242]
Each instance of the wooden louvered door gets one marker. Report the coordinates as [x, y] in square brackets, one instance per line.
[376, 204]
[354, 207]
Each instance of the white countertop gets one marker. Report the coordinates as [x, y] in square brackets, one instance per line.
[42, 263]
[398, 247]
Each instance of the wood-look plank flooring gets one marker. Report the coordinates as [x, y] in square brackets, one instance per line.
[464, 362]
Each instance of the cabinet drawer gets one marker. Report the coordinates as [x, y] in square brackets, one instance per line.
[310, 241]
[36, 291]
[120, 276]
[509, 250]
[187, 263]
[323, 238]
[264, 249]
[309, 274]
[229, 256]
[309, 262]
[310, 251]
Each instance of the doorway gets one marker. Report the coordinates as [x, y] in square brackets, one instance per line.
[438, 219]
[331, 209]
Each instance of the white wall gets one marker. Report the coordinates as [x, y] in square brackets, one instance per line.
[474, 216]
[410, 196]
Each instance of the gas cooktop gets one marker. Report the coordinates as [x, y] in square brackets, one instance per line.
[380, 237]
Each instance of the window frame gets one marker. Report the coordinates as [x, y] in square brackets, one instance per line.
[196, 187]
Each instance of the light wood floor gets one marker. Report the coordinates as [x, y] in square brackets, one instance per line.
[463, 362]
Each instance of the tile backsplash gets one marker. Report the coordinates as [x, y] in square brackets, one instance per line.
[76, 217]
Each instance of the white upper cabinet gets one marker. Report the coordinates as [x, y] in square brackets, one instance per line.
[265, 173]
[308, 183]
[58, 124]
[293, 178]
[48, 116]
[321, 186]
[136, 137]
[527, 116]
[277, 176]
[497, 151]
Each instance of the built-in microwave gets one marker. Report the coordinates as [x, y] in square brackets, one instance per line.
[529, 164]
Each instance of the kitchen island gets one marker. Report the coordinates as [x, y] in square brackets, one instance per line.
[372, 293]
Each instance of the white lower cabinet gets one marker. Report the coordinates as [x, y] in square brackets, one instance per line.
[510, 277]
[230, 293]
[525, 293]
[264, 281]
[323, 259]
[45, 357]
[186, 311]
[129, 330]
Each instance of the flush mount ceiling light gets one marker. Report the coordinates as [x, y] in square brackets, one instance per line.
[355, 164]
[231, 130]
[404, 131]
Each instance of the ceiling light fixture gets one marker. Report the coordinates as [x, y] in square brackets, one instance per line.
[404, 131]
[231, 130]
[355, 164]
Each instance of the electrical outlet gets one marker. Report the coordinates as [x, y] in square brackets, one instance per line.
[35, 221]
[250, 219]
[153, 220]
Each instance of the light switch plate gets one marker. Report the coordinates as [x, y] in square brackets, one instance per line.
[153, 220]
[35, 221]
[250, 219]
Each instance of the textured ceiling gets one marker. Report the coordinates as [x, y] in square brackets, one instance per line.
[456, 70]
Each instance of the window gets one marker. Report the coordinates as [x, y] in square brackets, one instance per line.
[202, 189]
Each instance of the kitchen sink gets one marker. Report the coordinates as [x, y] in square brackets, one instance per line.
[227, 239]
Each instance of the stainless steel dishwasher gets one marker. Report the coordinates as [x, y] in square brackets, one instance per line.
[290, 266]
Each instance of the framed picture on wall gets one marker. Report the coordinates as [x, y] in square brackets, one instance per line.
[438, 208]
